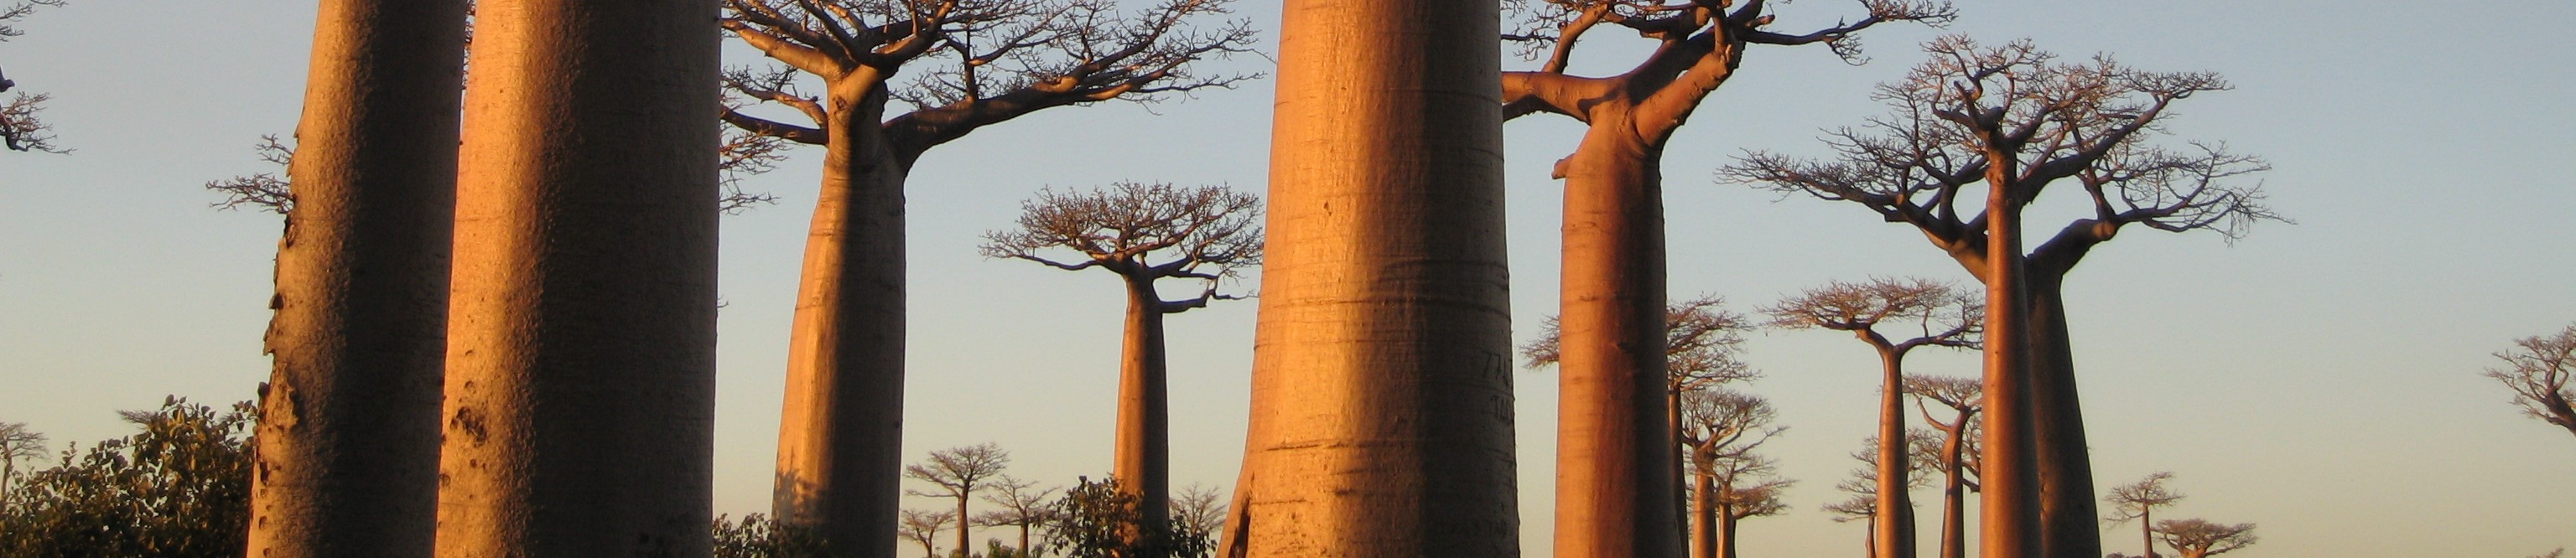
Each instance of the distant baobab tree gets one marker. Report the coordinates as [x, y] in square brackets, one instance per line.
[2017, 119]
[1867, 504]
[960, 473]
[1024, 506]
[21, 129]
[18, 444]
[1613, 451]
[1143, 233]
[1701, 342]
[2138, 501]
[1921, 313]
[1198, 514]
[922, 527]
[2537, 369]
[1721, 429]
[1954, 452]
[2193, 538]
[975, 63]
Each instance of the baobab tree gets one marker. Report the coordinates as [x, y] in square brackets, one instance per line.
[922, 527]
[1701, 342]
[17, 444]
[1381, 420]
[1143, 233]
[2537, 370]
[1925, 313]
[1721, 430]
[21, 129]
[1198, 513]
[976, 63]
[1953, 449]
[960, 473]
[580, 382]
[1869, 503]
[348, 449]
[2138, 501]
[2194, 538]
[2017, 119]
[1024, 506]
[1613, 443]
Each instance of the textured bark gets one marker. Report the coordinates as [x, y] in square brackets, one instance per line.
[2067, 506]
[840, 440]
[581, 363]
[1143, 464]
[1615, 492]
[348, 451]
[1382, 398]
[1893, 531]
[2009, 526]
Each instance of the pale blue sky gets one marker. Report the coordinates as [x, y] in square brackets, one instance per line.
[2319, 379]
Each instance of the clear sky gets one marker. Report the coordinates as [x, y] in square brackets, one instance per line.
[2319, 379]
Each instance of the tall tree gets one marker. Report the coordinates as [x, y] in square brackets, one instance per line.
[1939, 315]
[20, 127]
[2194, 538]
[1721, 430]
[1701, 342]
[1614, 450]
[348, 448]
[981, 62]
[1023, 506]
[2538, 369]
[18, 444]
[581, 348]
[2138, 501]
[1381, 380]
[1143, 233]
[2017, 119]
[923, 527]
[1869, 503]
[1954, 451]
[960, 473]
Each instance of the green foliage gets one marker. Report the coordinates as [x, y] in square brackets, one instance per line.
[756, 536]
[1093, 519]
[180, 488]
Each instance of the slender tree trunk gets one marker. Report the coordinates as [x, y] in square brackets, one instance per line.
[1673, 427]
[1895, 535]
[1869, 540]
[580, 390]
[1144, 456]
[1726, 531]
[1025, 552]
[2147, 532]
[1381, 392]
[347, 463]
[1704, 517]
[2010, 525]
[2065, 463]
[1954, 491]
[840, 439]
[1614, 489]
[962, 522]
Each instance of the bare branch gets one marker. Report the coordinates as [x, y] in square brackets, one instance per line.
[2538, 369]
[1142, 231]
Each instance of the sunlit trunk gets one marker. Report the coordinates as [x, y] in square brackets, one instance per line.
[1895, 532]
[1954, 490]
[1615, 490]
[1382, 385]
[1144, 456]
[1726, 532]
[2065, 463]
[1704, 517]
[2147, 532]
[1673, 429]
[580, 390]
[2010, 525]
[840, 439]
[348, 445]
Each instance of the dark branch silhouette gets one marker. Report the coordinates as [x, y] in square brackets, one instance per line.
[2537, 370]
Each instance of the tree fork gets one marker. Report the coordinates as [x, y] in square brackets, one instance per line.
[348, 456]
[1381, 393]
[581, 362]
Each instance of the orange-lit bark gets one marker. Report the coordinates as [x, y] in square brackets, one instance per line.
[1381, 391]
[1614, 488]
[2009, 526]
[581, 365]
[348, 447]
[1893, 530]
[841, 430]
[1704, 517]
[1954, 540]
[1143, 461]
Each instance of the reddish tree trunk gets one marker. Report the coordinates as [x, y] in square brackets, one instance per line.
[1895, 534]
[2010, 525]
[348, 447]
[1704, 517]
[1144, 454]
[840, 437]
[1615, 490]
[1954, 490]
[2066, 505]
[1382, 385]
[1726, 532]
[580, 390]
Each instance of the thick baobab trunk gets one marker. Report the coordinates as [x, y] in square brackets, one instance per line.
[348, 449]
[1704, 517]
[2066, 503]
[840, 437]
[2010, 525]
[1726, 532]
[1144, 457]
[1381, 391]
[1954, 491]
[1894, 532]
[581, 347]
[1615, 489]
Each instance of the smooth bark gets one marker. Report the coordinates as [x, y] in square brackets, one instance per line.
[1381, 393]
[1893, 531]
[347, 457]
[581, 364]
[1704, 517]
[1954, 536]
[1614, 488]
[2067, 507]
[2009, 524]
[841, 429]
[1143, 462]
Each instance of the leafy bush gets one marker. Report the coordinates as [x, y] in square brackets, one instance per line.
[179, 488]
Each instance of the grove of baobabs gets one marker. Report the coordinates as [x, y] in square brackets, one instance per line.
[1932, 278]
